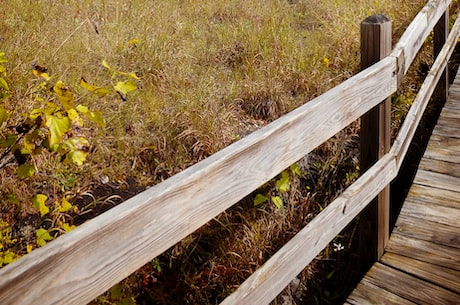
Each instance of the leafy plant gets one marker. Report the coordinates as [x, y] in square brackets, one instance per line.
[283, 185]
[51, 126]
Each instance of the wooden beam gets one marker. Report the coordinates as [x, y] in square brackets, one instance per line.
[80, 265]
[407, 131]
[440, 34]
[375, 136]
[269, 280]
[414, 36]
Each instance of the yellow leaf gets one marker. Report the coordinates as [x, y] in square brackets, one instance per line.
[63, 206]
[79, 148]
[68, 227]
[74, 117]
[43, 236]
[40, 72]
[64, 95]
[29, 248]
[131, 74]
[58, 126]
[105, 64]
[39, 201]
[82, 109]
[133, 41]
[125, 87]
[99, 91]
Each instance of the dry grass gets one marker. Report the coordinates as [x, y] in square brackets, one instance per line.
[211, 71]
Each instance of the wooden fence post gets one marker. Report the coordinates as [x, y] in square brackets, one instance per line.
[440, 34]
[375, 137]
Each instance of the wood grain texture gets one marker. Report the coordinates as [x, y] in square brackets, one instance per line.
[442, 167]
[366, 293]
[427, 194]
[425, 251]
[409, 287]
[437, 180]
[431, 211]
[407, 131]
[422, 259]
[77, 267]
[108, 248]
[444, 149]
[414, 36]
[266, 283]
[438, 275]
[434, 232]
[375, 140]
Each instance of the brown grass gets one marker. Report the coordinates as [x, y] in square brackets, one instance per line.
[211, 71]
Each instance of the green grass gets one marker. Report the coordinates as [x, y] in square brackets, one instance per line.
[210, 72]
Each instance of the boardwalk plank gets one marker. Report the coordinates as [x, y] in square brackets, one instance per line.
[428, 194]
[437, 180]
[426, 251]
[367, 293]
[447, 131]
[437, 275]
[441, 166]
[437, 233]
[432, 212]
[409, 287]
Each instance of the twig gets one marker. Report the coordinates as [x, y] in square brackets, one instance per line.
[68, 37]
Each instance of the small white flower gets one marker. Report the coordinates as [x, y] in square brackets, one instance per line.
[338, 247]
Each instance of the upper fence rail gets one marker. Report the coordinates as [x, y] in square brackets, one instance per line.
[80, 265]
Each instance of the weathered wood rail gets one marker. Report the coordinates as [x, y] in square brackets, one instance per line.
[77, 267]
[421, 263]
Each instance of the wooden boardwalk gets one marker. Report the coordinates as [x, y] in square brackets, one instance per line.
[421, 264]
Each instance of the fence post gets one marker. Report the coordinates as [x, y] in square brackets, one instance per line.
[440, 34]
[375, 137]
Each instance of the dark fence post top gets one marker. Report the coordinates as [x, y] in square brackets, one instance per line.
[376, 18]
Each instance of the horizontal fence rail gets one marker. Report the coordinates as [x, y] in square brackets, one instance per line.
[80, 265]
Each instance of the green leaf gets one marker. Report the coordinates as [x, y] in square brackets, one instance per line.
[43, 236]
[58, 126]
[39, 201]
[25, 171]
[259, 199]
[115, 292]
[277, 201]
[283, 183]
[7, 140]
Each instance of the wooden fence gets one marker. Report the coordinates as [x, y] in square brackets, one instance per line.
[78, 266]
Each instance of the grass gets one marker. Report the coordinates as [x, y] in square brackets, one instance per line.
[210, 73]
